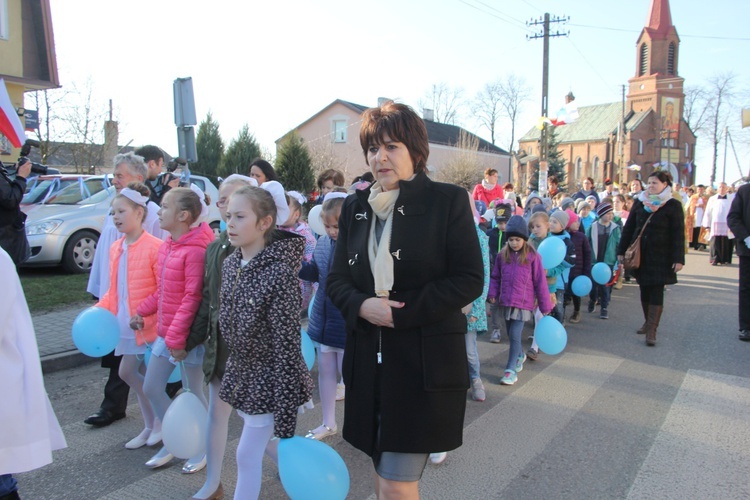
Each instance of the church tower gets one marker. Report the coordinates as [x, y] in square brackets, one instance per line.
[657, 84]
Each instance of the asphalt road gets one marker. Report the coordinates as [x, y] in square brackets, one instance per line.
[608, 418]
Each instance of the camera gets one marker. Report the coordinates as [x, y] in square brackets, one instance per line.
[36, 168]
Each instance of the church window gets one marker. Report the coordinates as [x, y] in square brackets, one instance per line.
[595, 167]
[640, 146]
[670, 59]
[578, 168]
[687, 150]
[643, 70]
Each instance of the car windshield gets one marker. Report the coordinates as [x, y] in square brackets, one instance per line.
[83, 192]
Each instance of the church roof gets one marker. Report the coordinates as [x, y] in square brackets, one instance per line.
[660, 19]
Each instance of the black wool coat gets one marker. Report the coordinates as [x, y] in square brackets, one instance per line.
[415, 400]
[662, 243]
[738, 219]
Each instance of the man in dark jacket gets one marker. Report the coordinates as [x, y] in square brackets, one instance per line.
[739, 222]
[12, 220]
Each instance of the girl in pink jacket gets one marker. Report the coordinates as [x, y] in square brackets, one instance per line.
[517, 281]
[132, 278]
[174, 304]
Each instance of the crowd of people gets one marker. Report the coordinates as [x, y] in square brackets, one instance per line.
[403, 277]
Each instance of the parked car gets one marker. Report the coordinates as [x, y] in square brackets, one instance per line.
[208, 187]
[42, 187]
[65, 228]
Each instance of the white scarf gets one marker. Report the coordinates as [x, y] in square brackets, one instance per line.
[664, 197]
[381, 260]
[486, 185]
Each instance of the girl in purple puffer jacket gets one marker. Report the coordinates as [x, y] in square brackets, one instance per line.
[517, 281]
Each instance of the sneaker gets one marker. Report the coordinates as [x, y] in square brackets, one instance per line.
[495, 337]
[532, 354]
[519, 362]
[321, 432]
[603, 314]
[438, 458]
[477, 390]
[592, 306]
[509, 378]
[340, 391]
[576, 317]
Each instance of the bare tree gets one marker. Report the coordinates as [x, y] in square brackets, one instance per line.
[47, 103]
[324, 158]
[514, 92]
[695, 110]
[487, 106]
[720, 92]
[84, 118]
[445, 101]
[464, 168]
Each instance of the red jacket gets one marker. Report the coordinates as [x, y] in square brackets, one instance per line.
[179, 285]
[487, 195]
[142, 272]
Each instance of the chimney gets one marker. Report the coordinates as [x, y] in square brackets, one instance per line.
[382, 100]
[428, 114]
[111, 137]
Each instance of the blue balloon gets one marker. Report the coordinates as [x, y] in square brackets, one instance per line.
[96, 332]
[550, 335]
[175, 376]
[601, 273]
[312, 470]
[552, 250]
[308, 349]
[581, 286]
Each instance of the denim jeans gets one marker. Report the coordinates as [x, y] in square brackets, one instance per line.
[472, 354]
[558, 312]
[7, 484]
[602, 293]
[514, 327]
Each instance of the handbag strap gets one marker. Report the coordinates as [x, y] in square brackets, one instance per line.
[646, 224]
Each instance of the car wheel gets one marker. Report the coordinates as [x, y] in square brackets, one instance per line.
[216, 227]
[78, 255]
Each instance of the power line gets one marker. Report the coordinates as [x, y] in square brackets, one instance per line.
[711, 37]
[484, 11]
[593, 68]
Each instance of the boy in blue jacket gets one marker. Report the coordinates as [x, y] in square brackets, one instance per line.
[604, 237]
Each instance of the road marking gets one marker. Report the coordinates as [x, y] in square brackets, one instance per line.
[703, 447]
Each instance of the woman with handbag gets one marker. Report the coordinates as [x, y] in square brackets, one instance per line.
[653, 247]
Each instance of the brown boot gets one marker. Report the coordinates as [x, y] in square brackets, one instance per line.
[642, 330]
[654, 316]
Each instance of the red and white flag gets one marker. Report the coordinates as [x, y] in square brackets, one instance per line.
[10, 124]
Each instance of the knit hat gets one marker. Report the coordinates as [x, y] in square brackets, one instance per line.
[538, 208]
[547, 202]
[573, 218]
[503, 212]
[517, 226]
[590, 197]
[567, 202]
[607, 181]
[603, 209]
[580, 204]
[531, 196]
[562, 217]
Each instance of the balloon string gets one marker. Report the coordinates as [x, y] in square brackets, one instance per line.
[183, 376]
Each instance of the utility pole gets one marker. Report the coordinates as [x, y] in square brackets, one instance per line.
[545, 35]
[621, 142]
[726, 141]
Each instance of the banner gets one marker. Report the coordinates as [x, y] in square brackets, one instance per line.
[10, 124]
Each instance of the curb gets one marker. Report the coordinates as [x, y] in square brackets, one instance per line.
[64, 360]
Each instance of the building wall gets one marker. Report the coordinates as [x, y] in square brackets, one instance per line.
[11, 50]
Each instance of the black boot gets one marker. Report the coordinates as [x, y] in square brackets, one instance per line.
[654, 316]
[642, 330]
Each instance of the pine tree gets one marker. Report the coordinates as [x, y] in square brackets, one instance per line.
[241, 151]
[294, 165]
[555, 163]
[210, 148]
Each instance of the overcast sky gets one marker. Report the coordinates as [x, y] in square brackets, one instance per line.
[274, 64]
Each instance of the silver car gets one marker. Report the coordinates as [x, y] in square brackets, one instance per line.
[64, 229]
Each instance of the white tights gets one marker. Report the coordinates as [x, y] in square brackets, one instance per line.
[216, 438]
[132, 370]
[253, 443]
[329, 366]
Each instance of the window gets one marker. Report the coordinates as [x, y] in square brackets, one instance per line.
[643, 69]
[670, 58]
[640, 146]
[531, 150]
[339, 131]
[595, 168]
[4, 19]
[687, 150]
[578, 169]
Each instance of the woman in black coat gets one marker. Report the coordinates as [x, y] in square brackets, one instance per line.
[662, 246]
[407, 260]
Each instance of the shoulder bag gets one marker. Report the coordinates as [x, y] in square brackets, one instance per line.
[632, 258]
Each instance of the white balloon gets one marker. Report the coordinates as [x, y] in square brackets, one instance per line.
[315, 220]
[184, 426]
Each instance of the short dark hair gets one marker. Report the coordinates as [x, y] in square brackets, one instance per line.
[337, 176]
[552, 179]
[490, 171]
[265, 167]
[150, 152]
[588, 179]
[662, 176]
[400, 123]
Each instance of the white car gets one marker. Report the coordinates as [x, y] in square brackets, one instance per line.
[64, 229]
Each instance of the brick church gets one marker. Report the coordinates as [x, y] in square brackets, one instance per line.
[654, 134]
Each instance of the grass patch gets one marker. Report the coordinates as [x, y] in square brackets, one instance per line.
[47, 290]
